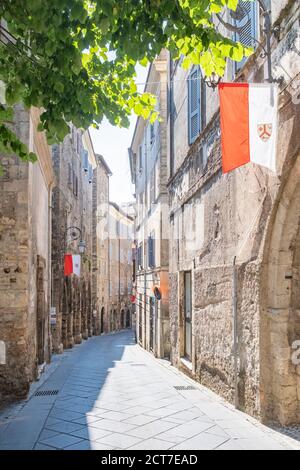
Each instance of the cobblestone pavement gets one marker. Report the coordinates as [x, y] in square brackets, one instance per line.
[108, 393]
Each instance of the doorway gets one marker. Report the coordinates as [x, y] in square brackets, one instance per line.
[152, 318]
[40, 311]
[122, 319]
[187, 304]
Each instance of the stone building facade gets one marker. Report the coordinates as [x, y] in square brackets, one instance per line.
[148, 163]
[234, 238]
[120, 234]
[25, 256]
[74, 309]
[100, 221]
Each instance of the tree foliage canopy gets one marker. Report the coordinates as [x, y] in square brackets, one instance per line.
[76, 59]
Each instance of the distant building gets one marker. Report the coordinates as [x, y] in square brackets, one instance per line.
[148, 163]
[120, 267]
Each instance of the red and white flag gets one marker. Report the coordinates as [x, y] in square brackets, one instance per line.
[72, 265]
[248, 124]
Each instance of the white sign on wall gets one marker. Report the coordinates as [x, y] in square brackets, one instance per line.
[53, 316]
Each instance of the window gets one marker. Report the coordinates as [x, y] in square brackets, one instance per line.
[151, 250]
[85, 160]
[194, 98]
[78, 143]
[140, 159]
[75, 184]
[152, 186]
[245, 18]
[90, 173]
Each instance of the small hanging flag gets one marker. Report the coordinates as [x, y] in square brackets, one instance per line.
[248, 124]
[72, 265]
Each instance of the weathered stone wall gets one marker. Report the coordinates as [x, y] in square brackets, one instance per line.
[24, 259]
[230, 219]
[120, 268]
[72, 207]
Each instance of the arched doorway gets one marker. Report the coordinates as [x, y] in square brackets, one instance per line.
[280, 319]
[122, 319]
[128, 322]
[102, 320]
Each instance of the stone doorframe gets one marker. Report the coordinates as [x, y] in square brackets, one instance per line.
[280, 301]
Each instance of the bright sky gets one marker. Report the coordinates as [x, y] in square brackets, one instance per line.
[113, 142]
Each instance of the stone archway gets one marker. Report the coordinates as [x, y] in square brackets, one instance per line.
[122, 319]
[280, 319]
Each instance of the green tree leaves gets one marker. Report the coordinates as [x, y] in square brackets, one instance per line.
[76, 58]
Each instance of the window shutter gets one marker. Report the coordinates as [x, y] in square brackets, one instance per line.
[247, 21]
[85, 160]
[90, 170]
[153, 250]
[194, 105]
[151, 254]
[140, 254]
[140, 158]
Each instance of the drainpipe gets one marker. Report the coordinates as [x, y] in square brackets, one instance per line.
[235, 333]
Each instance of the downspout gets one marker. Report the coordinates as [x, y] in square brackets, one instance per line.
[235, 333]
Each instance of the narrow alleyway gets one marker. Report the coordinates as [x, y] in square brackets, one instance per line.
[108, 393]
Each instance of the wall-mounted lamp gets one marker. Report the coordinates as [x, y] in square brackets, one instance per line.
[81, 246]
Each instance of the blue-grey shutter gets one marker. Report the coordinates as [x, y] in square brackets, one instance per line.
[90, 173]
[151, 251]
[85, 160]
[150, 264]
[194, 104]
[247, 21]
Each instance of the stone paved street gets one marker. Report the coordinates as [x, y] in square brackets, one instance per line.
[114, 395]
